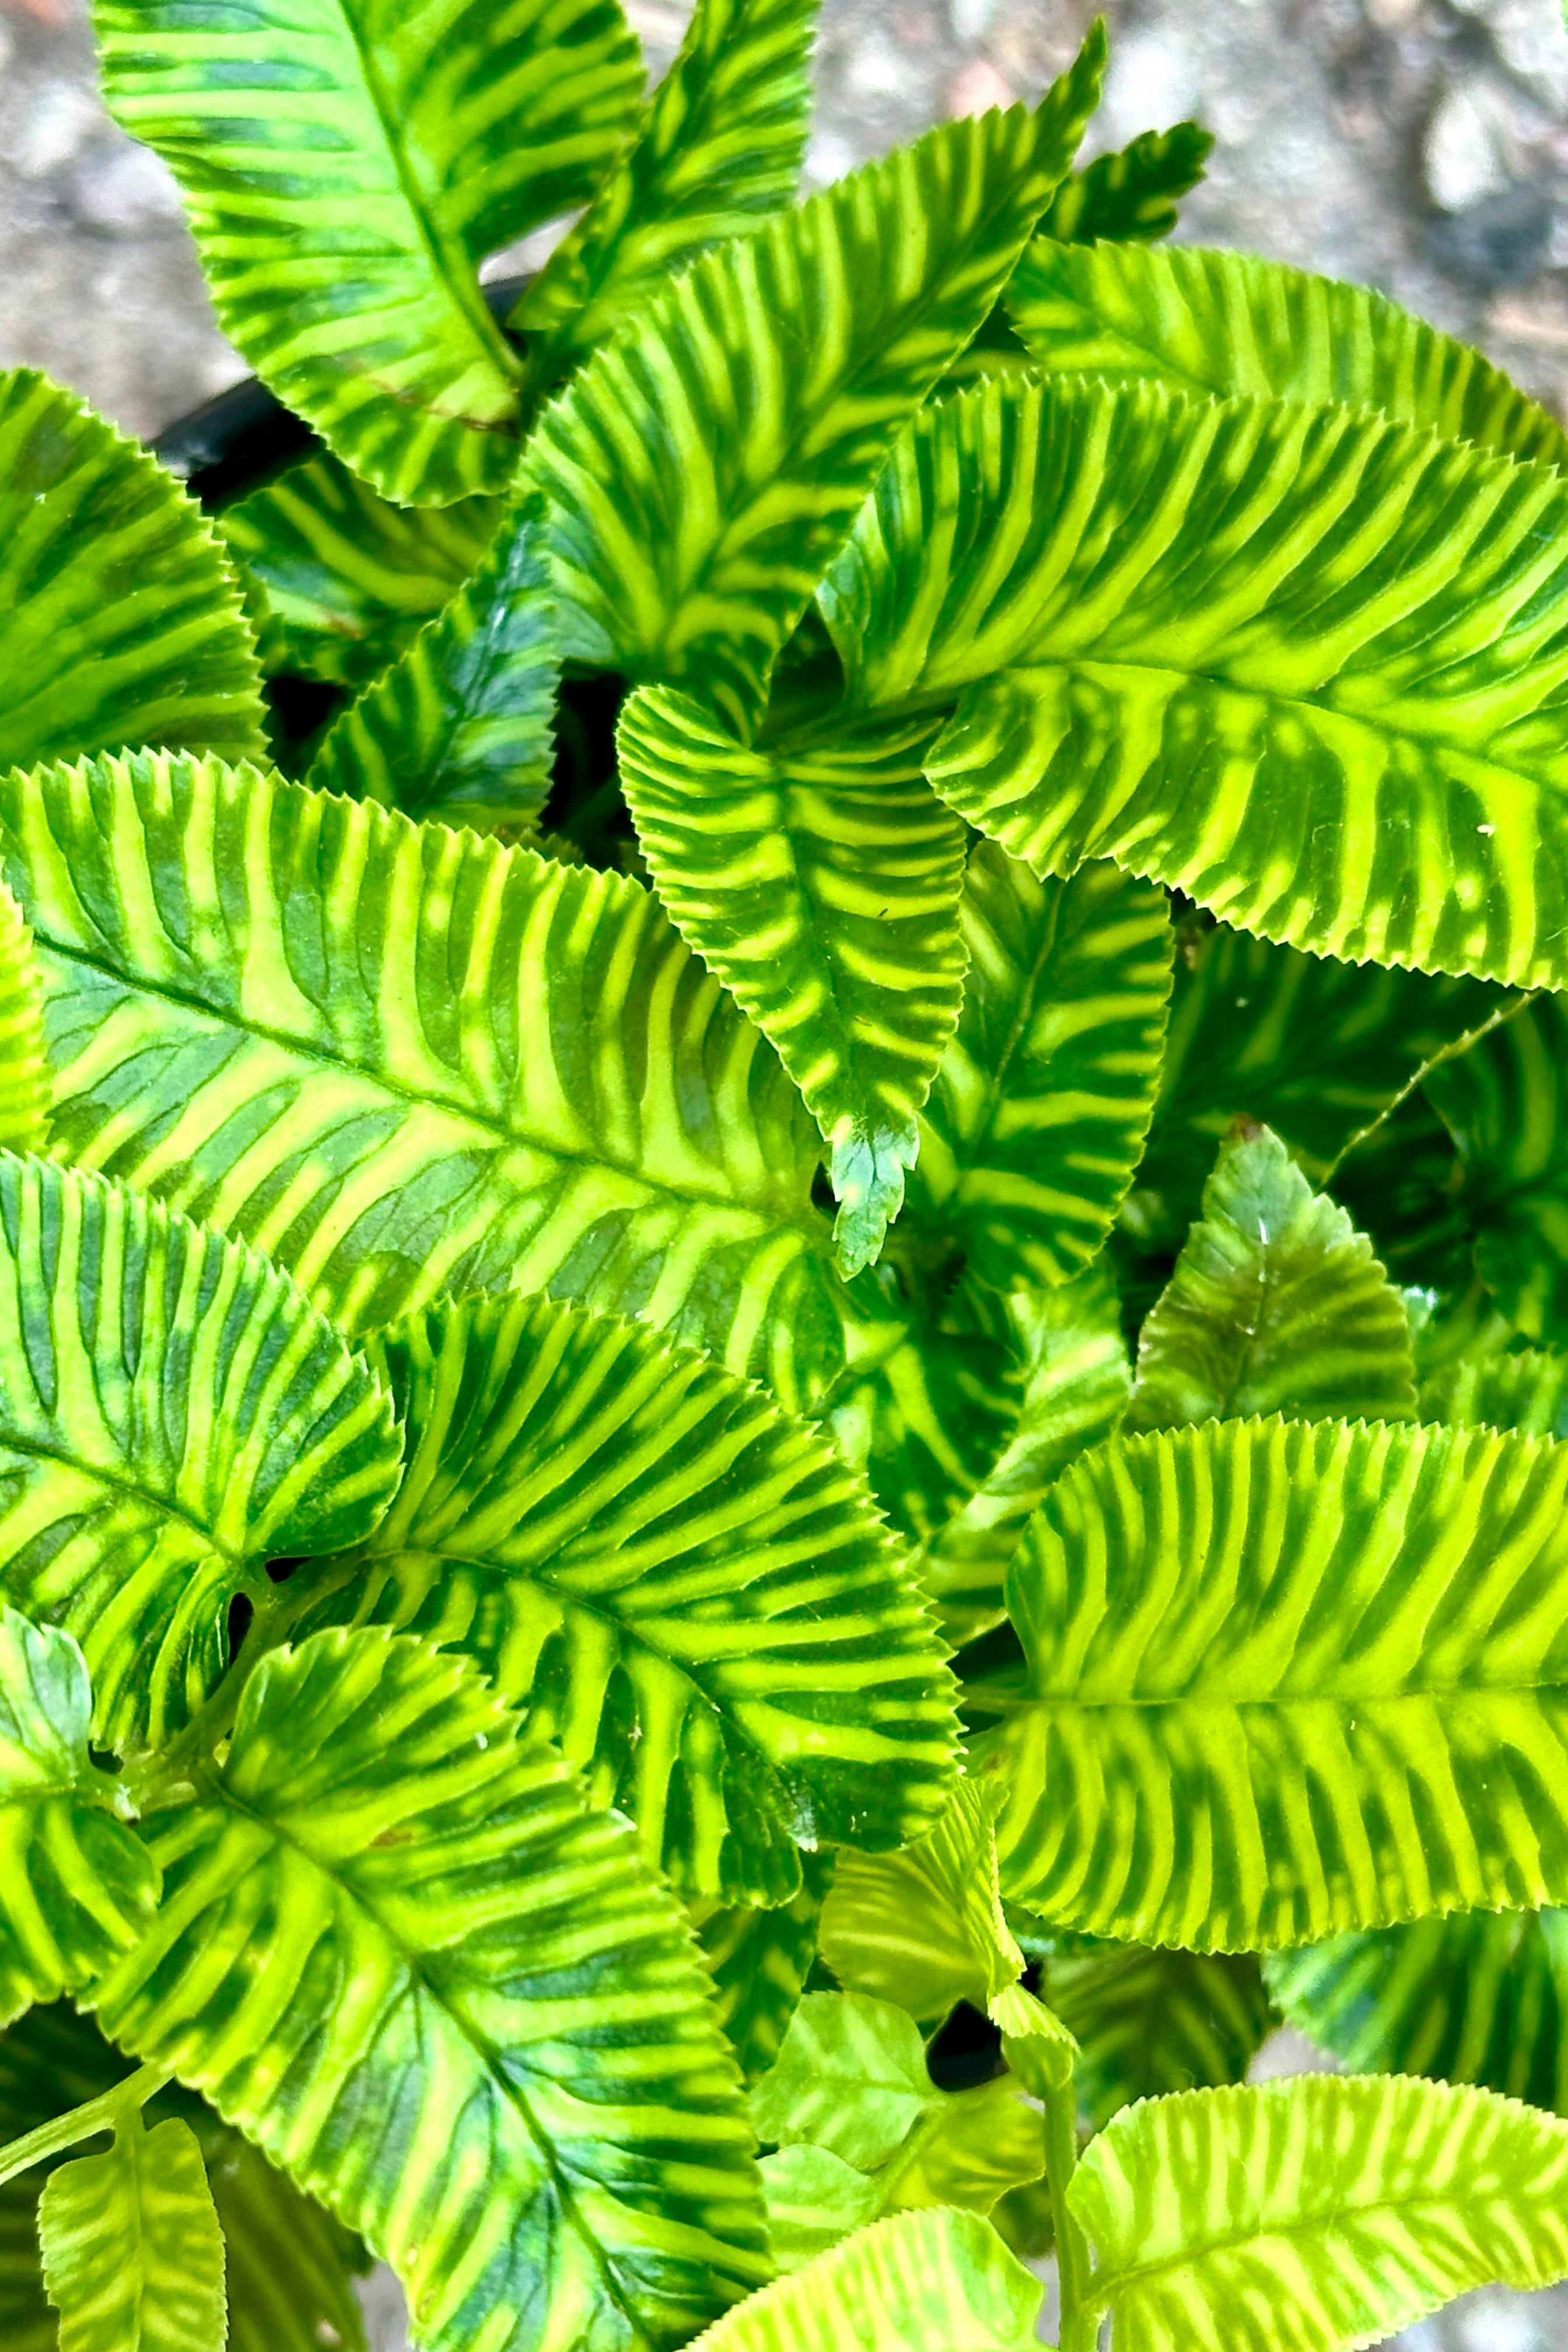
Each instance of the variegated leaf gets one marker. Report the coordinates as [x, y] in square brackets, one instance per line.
[1133, 192]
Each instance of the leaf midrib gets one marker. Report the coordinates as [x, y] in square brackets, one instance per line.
[36, 1449]
[139, 984]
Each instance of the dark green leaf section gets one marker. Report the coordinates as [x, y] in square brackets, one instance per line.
[719, 148]
[702, 471]
[1132, 193]
[1042, 1101]
[1478, 1997]
[1150, 2023]
[1318, 687]
[409, 1063]
[133, 2253]
[759, 1961]
[1315, 1049]
[461, 728]
[75, 1885]
[818, 879]
[23, 1063]
[1286, 1679]
[691, 1591]
[172, 1413]
[1505, 1103]
[342, 580]
[1527, 1391]
[120, 621]
[1320, 2212]
[1228, 323]
[346, 169]
[1277, 1305]
[387, 1918]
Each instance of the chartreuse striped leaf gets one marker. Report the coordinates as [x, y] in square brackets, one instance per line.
[133, 2253]
[342, 580]
[1230, 324]
[691, 1591]
[925, 1928]
[1527, 1391]
[851, 2078]
[346, 165]
[1078, 1383]
[922, 2278]
[1132, 193]
[1317, 2213]
[1478, 1997]
[1315, 1049]
[173, 1414]
[120, 621]
[408, 1062]
[719, 147]
[75, 1885]
[1324, 703]
[759, 1961]
[1277, 1305]
[1505, 1103]
[1042, 1101]
[1148, 2023]
[1289, 1678]
[24, 1064]
[461, 726]
[819, 879]
[701, 470]
[399, 1948]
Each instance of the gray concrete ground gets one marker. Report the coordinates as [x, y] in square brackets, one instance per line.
[1418, 145]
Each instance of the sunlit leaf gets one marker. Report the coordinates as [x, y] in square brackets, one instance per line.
[133, 2253]
[24, 1064]
[1133, 192]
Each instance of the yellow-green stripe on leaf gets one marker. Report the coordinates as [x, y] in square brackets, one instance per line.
[1230, 324]
[132, 2252]
[819, 879]
[542, 2131]
[23, 1063]
[691, 1592]
[1131, 193]
[119, 620]
[1286, 1679]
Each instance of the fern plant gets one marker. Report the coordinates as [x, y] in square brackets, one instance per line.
[784, 1222]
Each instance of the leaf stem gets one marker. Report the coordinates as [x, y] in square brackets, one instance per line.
[1077, 2332]
[100, 2115]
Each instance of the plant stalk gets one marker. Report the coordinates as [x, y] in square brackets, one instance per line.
[1077, 2332]
[100, 2115]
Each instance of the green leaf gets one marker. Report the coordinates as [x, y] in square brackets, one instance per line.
[1315, 1049]
[902, 2285]
[345, 172]
[819, 880]
[759, 1961]
[719, 148]
[1505, 1103]
[1277, 1305]
[702, 469]
[1321, 702]
[173, 1414]
[1150, 2023]
[24, 1064]
[851, 2077]
[75, 1884]
[541, 2129]
[290, 2266]
[1230, 324]
[343, 578]
[26, 2321]
[814, 2200]
[119, 623]
[1133, 192]
[1527, 1391]
[925, 1928]
[1042, 1101]
[584, 1111]
[1317, 2213]
[1289, 1678]
[133, 2257]
[690, 1590]
[1078, 1384]
[978, 2146]
[1478, 1997]
[462, 727]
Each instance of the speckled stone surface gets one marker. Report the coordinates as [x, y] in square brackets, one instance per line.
[1418, 145]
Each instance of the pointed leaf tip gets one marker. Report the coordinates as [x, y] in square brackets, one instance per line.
[868, 1177]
